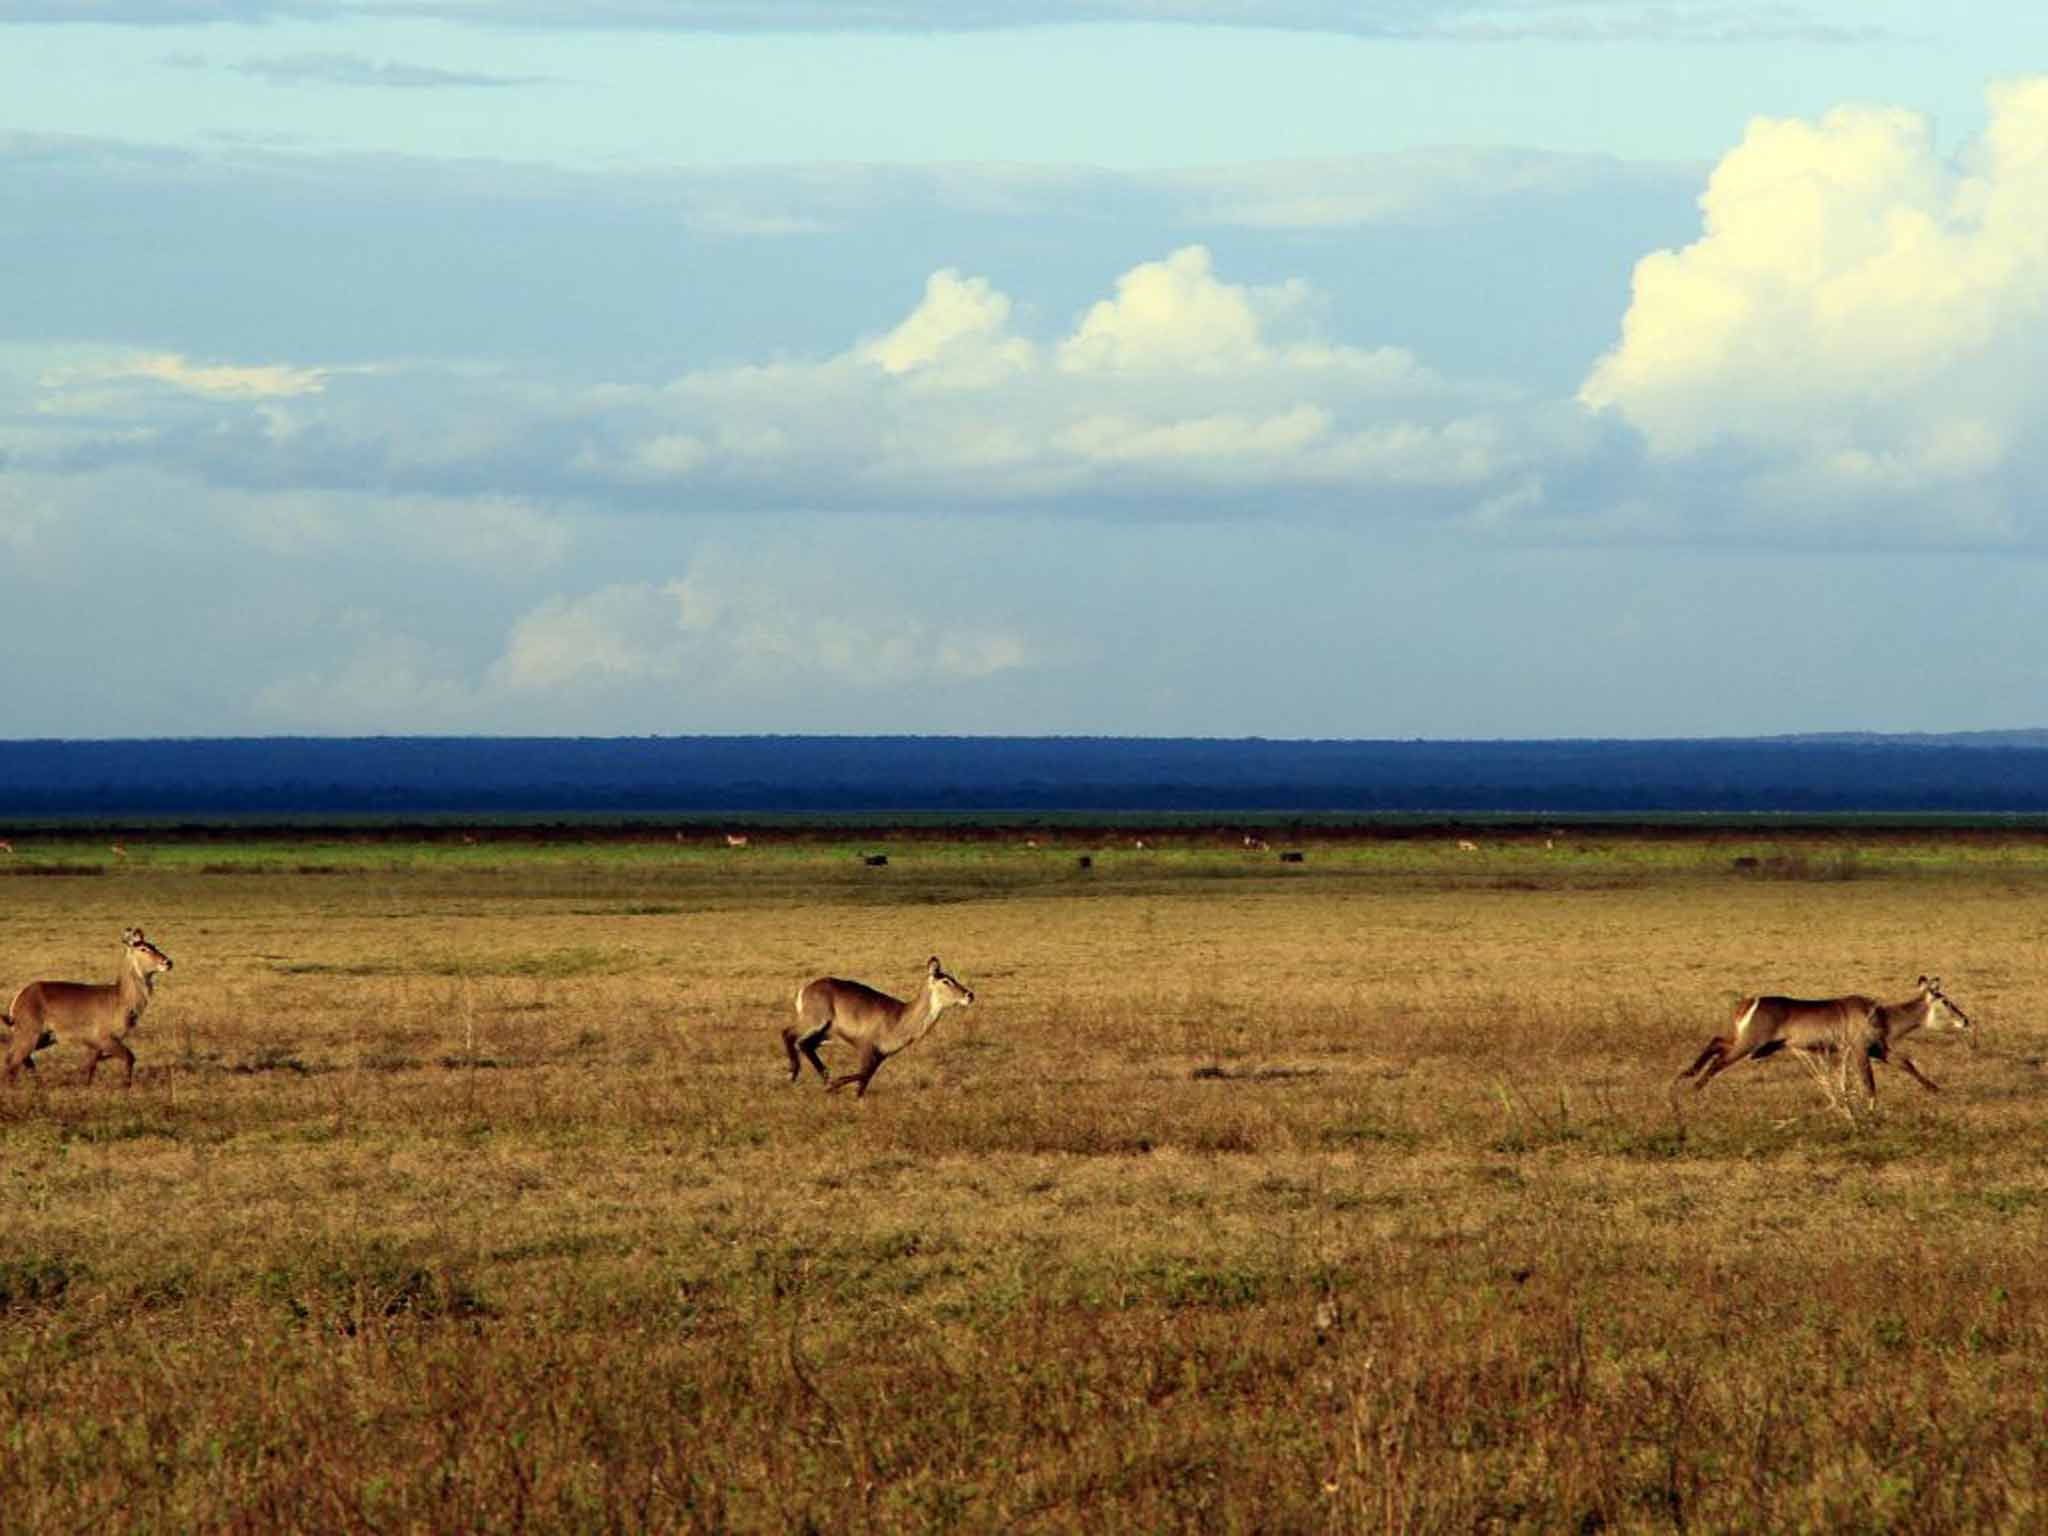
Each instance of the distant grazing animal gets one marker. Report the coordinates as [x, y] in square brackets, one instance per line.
[119, 850]
[6, 846]
[1764, 1026]
[735, 839]
[1466, 845]
[75, 1012]
[1256, 844]
[875, 1024]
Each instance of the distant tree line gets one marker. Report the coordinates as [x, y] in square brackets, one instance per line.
[397, 776]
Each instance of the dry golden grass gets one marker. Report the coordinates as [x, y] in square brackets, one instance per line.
[468, 1191]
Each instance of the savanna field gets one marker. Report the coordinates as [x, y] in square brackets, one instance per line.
[462, 1187]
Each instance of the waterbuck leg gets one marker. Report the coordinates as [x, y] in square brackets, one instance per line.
[810, 1048]
[121, 1050]
[1722, 1062]
[796, 1062]
[92, 1063]
[1915, 1073]
[1715, 1047]
[870, 1059]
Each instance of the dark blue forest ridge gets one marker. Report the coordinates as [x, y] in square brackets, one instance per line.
[400, 776]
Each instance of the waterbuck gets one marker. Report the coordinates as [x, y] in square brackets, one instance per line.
[875, 1024]
[95, 1017]
[1765, 1026]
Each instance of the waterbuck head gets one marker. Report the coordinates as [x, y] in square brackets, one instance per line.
[944, 990]
[144, 958]
[1941, 1013]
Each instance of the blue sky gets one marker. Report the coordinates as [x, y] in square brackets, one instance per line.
[625, 366]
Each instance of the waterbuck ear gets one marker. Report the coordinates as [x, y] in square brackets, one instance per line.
[131, 937]
[934, 969]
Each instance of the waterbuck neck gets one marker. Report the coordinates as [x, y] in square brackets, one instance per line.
[138, 983]
[915, 1022]
[1908, 1016]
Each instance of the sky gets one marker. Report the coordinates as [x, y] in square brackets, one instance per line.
[1316, 368]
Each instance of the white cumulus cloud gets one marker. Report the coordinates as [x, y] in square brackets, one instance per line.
[1177, 314]
[960, 332]
[227, 381]
[731, 622]
[1861, 314]
[1182, 380]
[387, 681]
[618, 634]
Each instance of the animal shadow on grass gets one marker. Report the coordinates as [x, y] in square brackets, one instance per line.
[1215, 1072]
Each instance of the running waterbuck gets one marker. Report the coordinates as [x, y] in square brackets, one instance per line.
[875, 1024]
[1765, 1026]
[75, 1012]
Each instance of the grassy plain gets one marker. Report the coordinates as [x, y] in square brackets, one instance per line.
[462, 1187]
